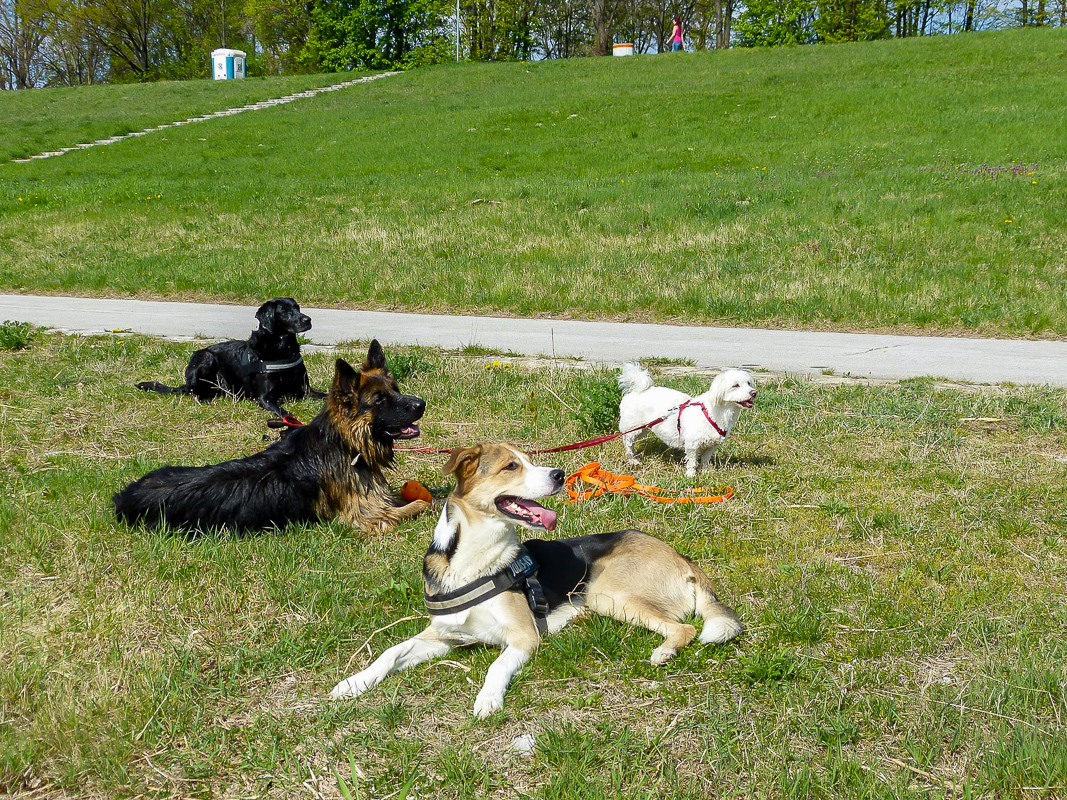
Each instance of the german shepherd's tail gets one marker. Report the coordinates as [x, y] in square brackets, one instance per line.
[721, 623]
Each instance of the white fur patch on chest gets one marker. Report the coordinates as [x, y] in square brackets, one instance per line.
[445, 531]
[482, 624]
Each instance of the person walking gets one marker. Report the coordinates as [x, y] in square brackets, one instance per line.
[676, 35]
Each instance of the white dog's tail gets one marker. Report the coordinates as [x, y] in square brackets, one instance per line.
[634, 378]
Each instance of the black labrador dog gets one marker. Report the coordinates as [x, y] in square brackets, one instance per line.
[267, 368]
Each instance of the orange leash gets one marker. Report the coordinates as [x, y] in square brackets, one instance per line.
[591, 481]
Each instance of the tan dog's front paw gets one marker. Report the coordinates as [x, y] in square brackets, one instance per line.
[350, 687]
[487, 703]
[662, 654]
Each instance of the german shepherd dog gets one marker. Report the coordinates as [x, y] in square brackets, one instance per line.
[332, 468]
[267, 367]
[626, 575]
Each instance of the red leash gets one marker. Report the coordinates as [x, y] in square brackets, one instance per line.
[598, 440]
[562, 448]
[289, 421]
[652, 424]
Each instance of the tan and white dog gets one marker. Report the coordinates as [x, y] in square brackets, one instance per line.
[483, 586]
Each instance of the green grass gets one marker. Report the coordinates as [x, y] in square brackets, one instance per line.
[912, 185]
[899, 571]
[37, 121]
[15, 335]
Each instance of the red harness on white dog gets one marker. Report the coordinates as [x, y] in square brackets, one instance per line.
[707, 416]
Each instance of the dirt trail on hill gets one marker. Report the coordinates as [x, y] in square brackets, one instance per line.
[226, 112]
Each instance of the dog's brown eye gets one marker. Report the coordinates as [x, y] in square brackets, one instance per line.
[512, 465]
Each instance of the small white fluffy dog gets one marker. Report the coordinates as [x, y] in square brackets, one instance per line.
[696, 425]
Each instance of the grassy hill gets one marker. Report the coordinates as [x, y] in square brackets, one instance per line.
[34, 122]
[905, 185]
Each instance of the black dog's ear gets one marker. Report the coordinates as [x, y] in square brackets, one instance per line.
[375, 358]
[345, 379]
[265, 315]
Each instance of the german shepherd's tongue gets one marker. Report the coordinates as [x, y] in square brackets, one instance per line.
[528, 511]
[407, 432]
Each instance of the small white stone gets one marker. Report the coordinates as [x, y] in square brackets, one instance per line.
[523, 745]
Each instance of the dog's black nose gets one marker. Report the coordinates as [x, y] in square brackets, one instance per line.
[418, 405]
[557, 476]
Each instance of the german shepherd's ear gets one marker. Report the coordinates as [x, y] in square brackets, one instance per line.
[375, 358]
[345, 379]
[463, 461]
[265, 315]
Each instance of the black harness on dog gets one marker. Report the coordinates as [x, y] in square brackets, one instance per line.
[255, 365]
[521, 572]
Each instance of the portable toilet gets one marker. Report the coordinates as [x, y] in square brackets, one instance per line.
[228, 64]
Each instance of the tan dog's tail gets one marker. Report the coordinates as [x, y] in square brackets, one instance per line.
[721, 623]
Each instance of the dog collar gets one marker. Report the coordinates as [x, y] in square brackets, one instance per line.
[521, 570]
[279, 366]
[707, 416]
[258, 365]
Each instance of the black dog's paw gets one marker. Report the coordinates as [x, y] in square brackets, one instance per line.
[146, 386]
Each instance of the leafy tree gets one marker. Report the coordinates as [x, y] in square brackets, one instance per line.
[126, 30]
[605, 13]
[776, 22]
[22, 35]
[852, 20]
[282, 29]
[912, 18]
[376, 34]
[565, 28]
[72, 56]
[712, 24]
[499, 30]
[188, 34]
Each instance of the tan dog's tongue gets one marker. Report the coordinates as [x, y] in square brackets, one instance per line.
[545, 516]
[548, 518]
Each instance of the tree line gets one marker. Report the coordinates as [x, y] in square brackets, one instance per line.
[73, 42]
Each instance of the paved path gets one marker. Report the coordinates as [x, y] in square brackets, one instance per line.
[857, 354]
[226, 112]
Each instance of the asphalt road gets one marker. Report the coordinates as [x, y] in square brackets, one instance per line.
[797, 352]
